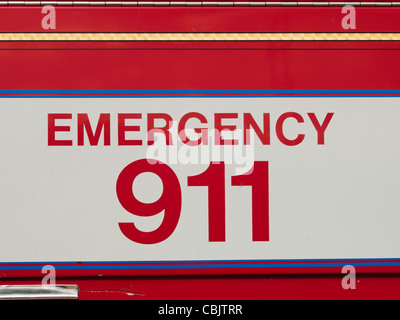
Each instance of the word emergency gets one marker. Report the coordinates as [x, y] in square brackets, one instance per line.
[129, 124]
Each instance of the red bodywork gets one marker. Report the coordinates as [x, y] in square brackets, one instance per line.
[206, 65]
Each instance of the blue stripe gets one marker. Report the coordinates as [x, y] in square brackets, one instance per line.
[344, 260]
[196, 92]
[203, 266]
[216, 264]
[301, 93]
[208, 96]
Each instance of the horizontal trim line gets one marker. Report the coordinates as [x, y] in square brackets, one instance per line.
[198, 264]
[196, 4]
[199, 36]
[38, 292]
[206, 96]
[198, 93]
[337, 260]
[206, 91]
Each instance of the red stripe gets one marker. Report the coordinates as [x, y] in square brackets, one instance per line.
[203, 19]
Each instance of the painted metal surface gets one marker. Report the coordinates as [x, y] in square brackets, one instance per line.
[194, 20]
[291, 70]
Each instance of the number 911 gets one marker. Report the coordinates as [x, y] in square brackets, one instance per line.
[170, 200]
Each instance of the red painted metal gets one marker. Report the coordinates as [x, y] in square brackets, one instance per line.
[195, 19]
[283, 65]
[322, 287]
[205, 65]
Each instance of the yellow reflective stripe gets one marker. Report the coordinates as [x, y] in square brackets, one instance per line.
[199, 36]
